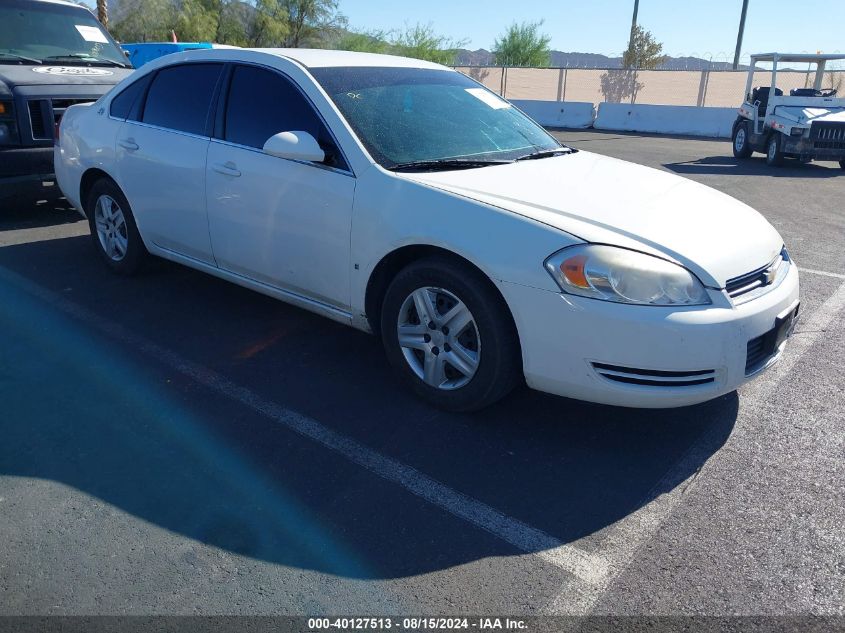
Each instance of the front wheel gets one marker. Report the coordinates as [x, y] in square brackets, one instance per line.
[774, 154]
[741, 145]
[449, 334]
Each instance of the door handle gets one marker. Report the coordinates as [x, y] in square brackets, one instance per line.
[128, 143]
[227, 169]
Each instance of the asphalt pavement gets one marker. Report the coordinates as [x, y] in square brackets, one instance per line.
[175, 444]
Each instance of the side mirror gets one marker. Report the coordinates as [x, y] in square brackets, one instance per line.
[295, 145]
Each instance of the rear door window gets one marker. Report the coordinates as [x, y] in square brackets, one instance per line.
[180, 97]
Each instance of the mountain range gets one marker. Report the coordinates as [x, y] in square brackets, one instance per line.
[560, 59]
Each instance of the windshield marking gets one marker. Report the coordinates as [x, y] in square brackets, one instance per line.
[489, 98]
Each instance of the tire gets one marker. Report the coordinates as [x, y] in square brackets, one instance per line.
[113, 230]
[741, 143]
[485, 347]
[774, 154]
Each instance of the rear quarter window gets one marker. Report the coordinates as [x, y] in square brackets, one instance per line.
[123, 106]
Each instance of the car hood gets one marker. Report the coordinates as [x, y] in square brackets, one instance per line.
[57, 75]
[605, 200]
[807, 114]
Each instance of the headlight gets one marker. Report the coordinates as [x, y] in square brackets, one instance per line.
[617, 274]
[8, 129]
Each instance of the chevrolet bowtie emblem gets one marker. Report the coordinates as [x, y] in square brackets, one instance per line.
[769, 276]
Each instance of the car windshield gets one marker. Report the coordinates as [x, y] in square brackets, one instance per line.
[411, 115]
[35, 32]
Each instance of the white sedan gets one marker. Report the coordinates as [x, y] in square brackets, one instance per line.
[403, 198]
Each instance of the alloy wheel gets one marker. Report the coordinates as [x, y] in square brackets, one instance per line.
[111, 228]
[439, 338]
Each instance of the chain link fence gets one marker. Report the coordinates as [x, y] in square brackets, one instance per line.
[713, 88]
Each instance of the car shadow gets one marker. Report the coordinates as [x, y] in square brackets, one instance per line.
[38, 213]
[755, 166]
[96, 410]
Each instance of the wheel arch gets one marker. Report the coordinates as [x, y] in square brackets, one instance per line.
[91, 176]
[394, 261]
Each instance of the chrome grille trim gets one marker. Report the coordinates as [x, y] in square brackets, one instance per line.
[758, 282]
[655, 377]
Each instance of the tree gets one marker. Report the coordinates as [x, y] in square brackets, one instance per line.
[421, 42]
[270, 24]
[103, 12]
[144, 21]
[643, 52]
[368, 42]
[523, 45]
[311, 21]
[196, 21]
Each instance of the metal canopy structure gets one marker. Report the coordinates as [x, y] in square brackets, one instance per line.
[795, 57]
[820, 60]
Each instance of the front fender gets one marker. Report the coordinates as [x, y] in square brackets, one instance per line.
[392, 212]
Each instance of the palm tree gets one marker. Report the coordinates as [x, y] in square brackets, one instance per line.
[103, 12]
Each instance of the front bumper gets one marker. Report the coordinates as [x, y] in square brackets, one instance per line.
[26, 175]
[690, 354]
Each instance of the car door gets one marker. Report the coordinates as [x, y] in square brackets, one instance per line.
[281, 222]
[161, 152]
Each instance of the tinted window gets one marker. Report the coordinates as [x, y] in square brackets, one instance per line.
[180, 97]
[263, 103]
[123, 103]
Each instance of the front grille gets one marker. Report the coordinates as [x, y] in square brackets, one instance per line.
[755, 283]
[44, 114]
[828, 135]
[655, 377]
[37, 113]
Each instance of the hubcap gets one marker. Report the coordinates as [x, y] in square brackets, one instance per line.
[773, 149]
[111, 228]
[439, 338]
[739, 143]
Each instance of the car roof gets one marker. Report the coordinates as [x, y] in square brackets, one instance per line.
[63, 3]
[321, 58]
[795, 57]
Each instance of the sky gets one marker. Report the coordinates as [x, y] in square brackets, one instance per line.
[701, 29]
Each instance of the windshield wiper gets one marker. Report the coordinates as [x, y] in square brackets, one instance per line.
[89, 59]
[445, 164]
[547, 153]
[31, 60]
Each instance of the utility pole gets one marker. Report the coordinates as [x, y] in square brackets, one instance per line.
[634, 23]
[740, 34]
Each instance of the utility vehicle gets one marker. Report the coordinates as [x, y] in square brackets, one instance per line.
[808, 123]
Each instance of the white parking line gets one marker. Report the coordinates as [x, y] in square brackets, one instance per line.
[589, 568]
[823, 273]
[629, 534]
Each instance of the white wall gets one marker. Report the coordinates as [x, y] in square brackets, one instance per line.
[687, 120]
[624, 117]
[573, 114]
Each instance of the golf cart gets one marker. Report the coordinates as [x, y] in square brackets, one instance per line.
[808, 124]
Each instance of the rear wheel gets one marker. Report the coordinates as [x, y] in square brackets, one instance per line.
[113, 229]
[450, 335]
[741, 144]
[774, 154]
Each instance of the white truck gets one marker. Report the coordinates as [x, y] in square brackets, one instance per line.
[808, 124]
